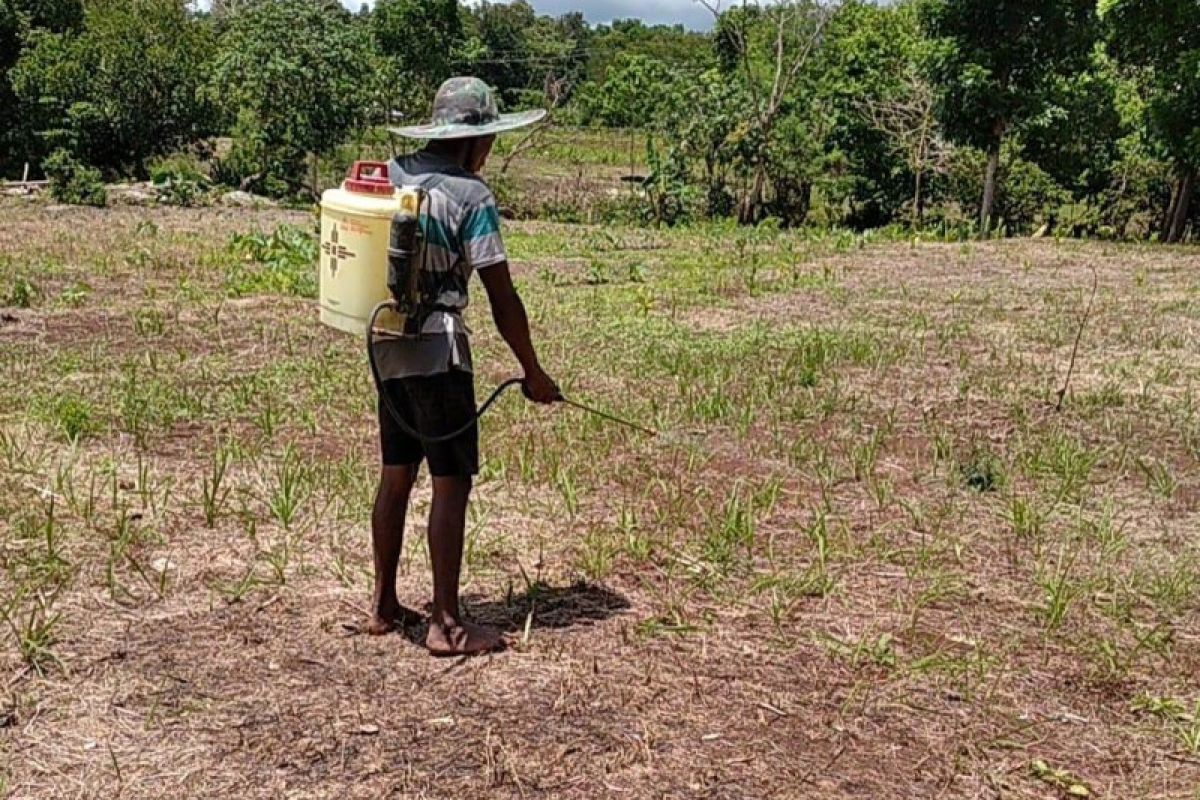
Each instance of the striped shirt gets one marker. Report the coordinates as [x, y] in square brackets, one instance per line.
[461, 225]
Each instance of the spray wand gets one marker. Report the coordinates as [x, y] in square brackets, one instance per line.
[487, 404]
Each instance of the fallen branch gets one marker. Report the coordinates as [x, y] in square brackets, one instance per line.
[1087, 312]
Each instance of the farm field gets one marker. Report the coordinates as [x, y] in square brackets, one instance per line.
[866, 557]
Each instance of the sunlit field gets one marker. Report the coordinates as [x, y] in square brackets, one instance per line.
[867, 555]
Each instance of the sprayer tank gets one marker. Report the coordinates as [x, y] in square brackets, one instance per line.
[355, 226]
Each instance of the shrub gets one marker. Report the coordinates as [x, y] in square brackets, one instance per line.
[22, 294]
[180, 181]
[282, 262]
[72, 181]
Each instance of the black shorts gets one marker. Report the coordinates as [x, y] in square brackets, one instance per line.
[434, 405]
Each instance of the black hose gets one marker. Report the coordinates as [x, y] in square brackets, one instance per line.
[387, 400]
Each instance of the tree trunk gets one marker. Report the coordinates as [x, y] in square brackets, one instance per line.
[750, 205]
[1181, 206]
[989, 189]
[917, 209]
[1169, 217]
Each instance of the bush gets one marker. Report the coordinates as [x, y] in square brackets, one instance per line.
[180, 181]
[1026, 196]
[72, 181]
[120, 90]
[283, 262]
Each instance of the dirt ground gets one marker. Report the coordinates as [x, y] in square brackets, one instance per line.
[867, 557]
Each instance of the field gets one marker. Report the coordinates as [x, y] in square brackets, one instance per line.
[866, 557]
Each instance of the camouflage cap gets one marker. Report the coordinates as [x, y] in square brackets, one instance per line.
[465, 107]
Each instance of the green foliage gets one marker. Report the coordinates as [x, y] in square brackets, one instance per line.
[294, 77]
[512, 48]
[180, 181]
[869, 69]
[638, 91]
[121, 89]
[413, 70]
[23, 293]
[994, 62]
[72, 181]
[70, 414]
[981, 469]
[673, 46]
[855, 114]
[1164, 35]
[282, 262]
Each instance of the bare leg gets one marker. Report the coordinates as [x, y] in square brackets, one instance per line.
[387, 536]
[449, 633]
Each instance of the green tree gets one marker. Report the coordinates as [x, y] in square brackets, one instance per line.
[885, 139]
[121, 89]
[1163, 37]
[636, 92]
[519, 52]
[671, 45]
[771, 51]
[403, 31]
[992, 64]
[293, 76]
[17, 19]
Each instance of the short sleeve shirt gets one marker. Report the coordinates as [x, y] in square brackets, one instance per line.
[461, 225]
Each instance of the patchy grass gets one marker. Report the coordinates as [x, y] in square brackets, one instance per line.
[865, 558]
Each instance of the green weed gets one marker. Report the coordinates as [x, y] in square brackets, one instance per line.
[282, 262]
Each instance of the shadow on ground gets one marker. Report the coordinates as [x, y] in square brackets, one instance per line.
[555, 607]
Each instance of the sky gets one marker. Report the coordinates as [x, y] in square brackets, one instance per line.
[668, 12]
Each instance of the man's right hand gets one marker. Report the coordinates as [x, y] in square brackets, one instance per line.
[541, 388]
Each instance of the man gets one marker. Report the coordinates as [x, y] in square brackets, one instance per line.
[429, 378]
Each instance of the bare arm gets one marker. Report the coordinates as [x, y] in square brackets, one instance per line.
[513, 323]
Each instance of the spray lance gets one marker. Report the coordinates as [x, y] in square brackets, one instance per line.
[405, 254]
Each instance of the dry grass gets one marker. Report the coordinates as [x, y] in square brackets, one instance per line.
[866, 559]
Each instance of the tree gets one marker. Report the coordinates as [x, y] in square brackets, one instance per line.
[517, 51]
[293, 76]
[635, 93]
[991, 65]
[671, 45]
[768, 49]
[17, 19]
[906, 119]
[1163, 37]
[120, 90]
[885, 142]
[404, 30]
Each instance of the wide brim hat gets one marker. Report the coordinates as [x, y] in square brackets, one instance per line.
[465, 108]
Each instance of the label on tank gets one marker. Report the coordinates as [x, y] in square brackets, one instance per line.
[336, 251]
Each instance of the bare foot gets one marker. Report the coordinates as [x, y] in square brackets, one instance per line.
[390, 615]
[462, 639]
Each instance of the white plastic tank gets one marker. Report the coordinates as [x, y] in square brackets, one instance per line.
[355, 226]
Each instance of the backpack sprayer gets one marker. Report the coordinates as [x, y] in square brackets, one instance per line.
[371, 277]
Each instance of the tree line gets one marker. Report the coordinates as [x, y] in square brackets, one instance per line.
[1018, 116]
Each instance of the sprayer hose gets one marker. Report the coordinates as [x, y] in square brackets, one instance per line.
[386, 399]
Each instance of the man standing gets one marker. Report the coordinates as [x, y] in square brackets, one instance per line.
[429, 378]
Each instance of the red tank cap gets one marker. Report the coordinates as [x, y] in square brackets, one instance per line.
[368, 177]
